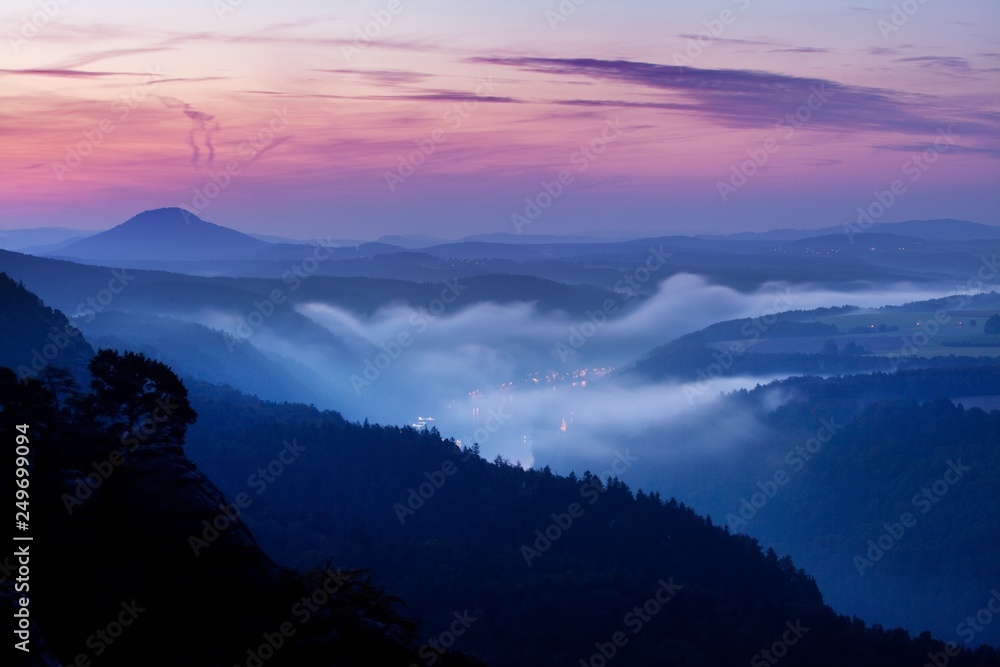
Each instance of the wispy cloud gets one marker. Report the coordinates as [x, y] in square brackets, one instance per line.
[428, 96]
[948, 65]
[91, 57]
[751, 99]
[939, 61]
[443, 96]
[382, 76]
[68, 73]
[772, 46]
[799, 49]
[956, 148]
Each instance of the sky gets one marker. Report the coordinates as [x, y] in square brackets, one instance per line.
[437, 117]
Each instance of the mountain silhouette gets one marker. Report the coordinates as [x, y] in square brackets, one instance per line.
[944, 229]
[34, 336]
[165, 234]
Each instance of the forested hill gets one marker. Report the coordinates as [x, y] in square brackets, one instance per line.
[512, 566]
[559, 562]
[824, 465]
[956, 331]
[136, 557]
[34, 336]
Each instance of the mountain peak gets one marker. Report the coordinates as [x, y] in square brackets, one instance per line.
[165, 234]
[172, 215]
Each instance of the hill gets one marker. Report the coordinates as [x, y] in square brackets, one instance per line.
[196, 352]
[164, 234]
[820, 496]
[556, 561]
[34, 337]
[928, 252]
[945, 229]
[40, 239]
[570, 567]
[126, 534]
[945, 332]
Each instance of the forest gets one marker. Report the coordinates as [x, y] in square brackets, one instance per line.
[433, 551]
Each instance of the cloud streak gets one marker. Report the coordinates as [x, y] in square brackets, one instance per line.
[754, 99]
[68, 73]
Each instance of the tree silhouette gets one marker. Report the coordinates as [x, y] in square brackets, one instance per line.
[853, 349]
[138, 399]
[61, 384]
[24, 401]
[992, 325]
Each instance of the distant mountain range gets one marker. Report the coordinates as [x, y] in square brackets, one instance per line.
[178, 242]
[176, 235]
[945, 229]
[41, 239]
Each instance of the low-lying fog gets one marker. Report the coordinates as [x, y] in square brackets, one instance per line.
[539, 388]
[533, 387]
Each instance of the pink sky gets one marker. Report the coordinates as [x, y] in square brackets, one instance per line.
[109, 111]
